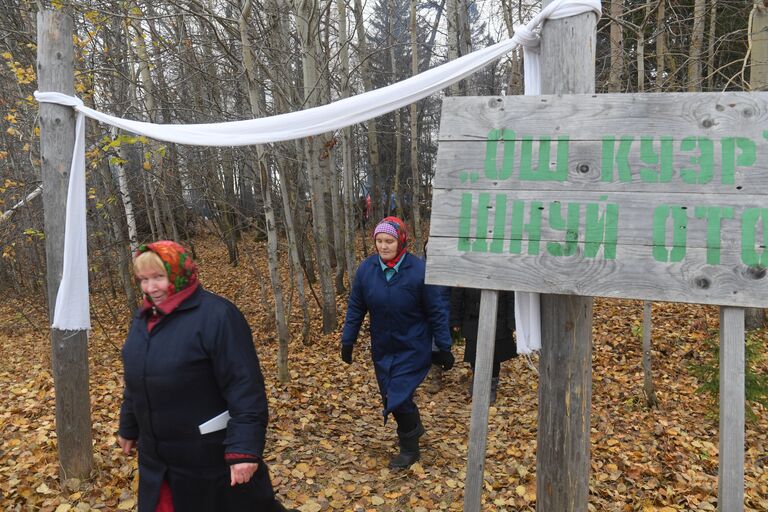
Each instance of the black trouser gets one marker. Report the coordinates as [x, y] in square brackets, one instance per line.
[494, 372]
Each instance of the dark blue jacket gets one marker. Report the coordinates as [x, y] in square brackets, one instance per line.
[404, 315]
[196, 363]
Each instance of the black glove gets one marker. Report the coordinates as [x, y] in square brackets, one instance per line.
[346, 353]
[444, 359]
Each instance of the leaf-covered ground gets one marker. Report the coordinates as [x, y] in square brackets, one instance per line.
[327, 447]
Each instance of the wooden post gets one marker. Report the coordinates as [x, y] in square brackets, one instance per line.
[69, 349]
[565, 367]
[481, 397]
[731, 471]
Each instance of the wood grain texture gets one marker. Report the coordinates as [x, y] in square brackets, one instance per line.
[481, 395]
[635, 216]
[565, 379]
[685, 281]
[69, 349]
[460, 161]
[731, 453]
[590, 116]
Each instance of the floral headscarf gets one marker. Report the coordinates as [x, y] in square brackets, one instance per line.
[396, 228]
[181, 269]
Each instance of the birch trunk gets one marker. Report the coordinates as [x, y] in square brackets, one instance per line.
[373, 140]
[307, 19]
[350, 194]
[711, 39]
[697, 43]
[452, 27]
[266, 195]
[398, 136]
[278, 37]
[617, 47]
[415, 174]
[145, 76]
[661, 46]
[118, 171]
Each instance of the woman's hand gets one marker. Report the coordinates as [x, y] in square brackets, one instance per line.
[242, 473]
[128, 445]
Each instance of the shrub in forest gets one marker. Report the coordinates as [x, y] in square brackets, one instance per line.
[707, 372]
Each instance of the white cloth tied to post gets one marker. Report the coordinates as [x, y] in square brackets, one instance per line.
[72, 309]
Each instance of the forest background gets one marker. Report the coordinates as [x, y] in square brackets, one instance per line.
[280, 228]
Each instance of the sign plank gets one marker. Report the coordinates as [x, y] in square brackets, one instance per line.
[644, 196]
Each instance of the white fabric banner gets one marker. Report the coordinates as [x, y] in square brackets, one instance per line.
[72, 301]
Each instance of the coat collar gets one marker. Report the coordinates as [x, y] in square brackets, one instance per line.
[191, 302]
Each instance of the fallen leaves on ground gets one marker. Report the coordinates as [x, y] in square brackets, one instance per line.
[328, 448]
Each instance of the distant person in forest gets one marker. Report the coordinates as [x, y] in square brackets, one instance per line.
[188, 358]
[465, 319]
[405, 314]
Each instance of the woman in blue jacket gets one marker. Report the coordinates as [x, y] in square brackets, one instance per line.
[188, 357]
[405, 314]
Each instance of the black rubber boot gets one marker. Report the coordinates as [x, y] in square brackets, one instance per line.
[409, 444]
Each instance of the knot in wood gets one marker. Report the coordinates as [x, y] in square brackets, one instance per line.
[756, 272]
[701, 282]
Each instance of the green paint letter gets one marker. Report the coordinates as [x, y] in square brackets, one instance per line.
[516, 236]
[507, 139]
[465, 220]
[533, 228]
[610, 157]
[499, 223]
[543, 171]
[749, 254]
[714, 216]
[679, 233]
[661, 162]
[705, 160]
[570, 226]
[602, 228]
[746, 158]
[481, 232]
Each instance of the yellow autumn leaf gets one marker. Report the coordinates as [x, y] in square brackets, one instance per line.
[127, 504]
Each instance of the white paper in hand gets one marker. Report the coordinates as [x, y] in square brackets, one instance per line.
[214, 424]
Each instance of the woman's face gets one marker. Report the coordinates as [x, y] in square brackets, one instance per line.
[386, 245]
[154, 284]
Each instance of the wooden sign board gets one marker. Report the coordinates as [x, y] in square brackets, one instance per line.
[643, 196]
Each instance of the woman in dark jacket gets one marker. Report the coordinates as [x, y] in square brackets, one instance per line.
[405, 313]
[465, 314]
[188, 358]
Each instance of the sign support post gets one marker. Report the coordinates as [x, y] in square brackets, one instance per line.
[565, 365]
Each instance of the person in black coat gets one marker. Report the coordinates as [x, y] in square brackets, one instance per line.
[465, 314]
[189, 358]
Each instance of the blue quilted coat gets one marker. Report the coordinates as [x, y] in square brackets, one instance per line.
[404, 315]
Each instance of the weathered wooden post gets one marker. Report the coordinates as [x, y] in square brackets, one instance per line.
[481, 396]
[565, 367]
[730, 495]
[69, 349]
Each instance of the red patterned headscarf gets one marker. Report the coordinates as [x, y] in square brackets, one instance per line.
[396, 228]
[178, 263]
